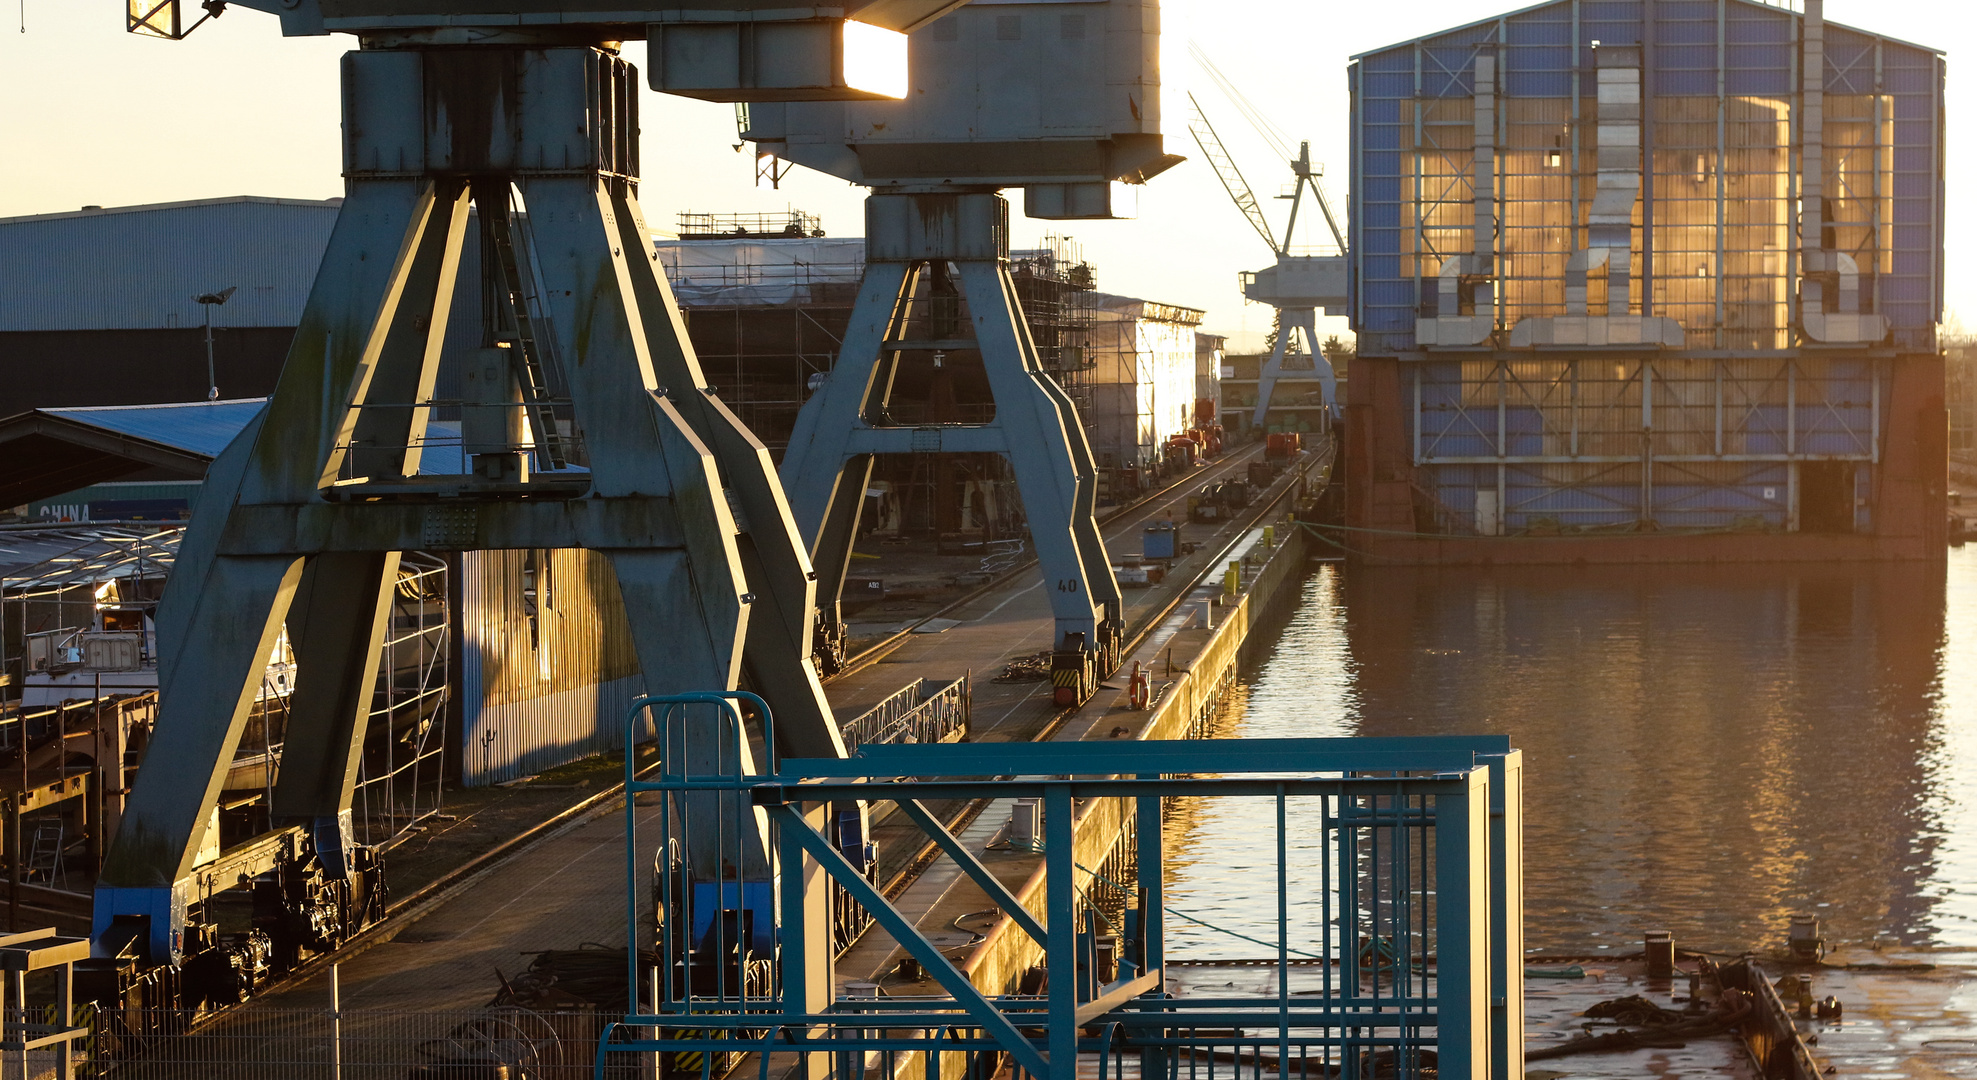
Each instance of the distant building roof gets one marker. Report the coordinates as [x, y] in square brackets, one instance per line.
[50, 452]
[140, 267]
[1134, 307]
[759, 271]
[194, 427]
[47, 452]
[1741, 10]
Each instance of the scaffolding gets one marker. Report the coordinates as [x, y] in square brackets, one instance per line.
[81, 632]
[766, 309]
[1054, 285]
[792, 224]
[401, 781]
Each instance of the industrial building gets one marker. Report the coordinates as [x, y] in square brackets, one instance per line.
[102, 303]
[1297, 395]
[1669, 267]
[110, 316]
[1144, 380]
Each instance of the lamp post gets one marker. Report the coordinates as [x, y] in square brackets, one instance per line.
[209, 301]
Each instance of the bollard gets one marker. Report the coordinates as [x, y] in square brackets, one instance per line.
[336, 1023]
[1231, 581]
[1804, 940]
[1660, 948]
[1804, 991]
[1269, 537]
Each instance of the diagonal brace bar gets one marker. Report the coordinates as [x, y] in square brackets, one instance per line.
[971, 866]
[1115, 996]
[937, 965]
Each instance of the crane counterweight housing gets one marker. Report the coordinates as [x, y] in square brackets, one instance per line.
[1060, 99]
[1314, 281]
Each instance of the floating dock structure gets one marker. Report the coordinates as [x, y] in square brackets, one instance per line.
[1656, 269]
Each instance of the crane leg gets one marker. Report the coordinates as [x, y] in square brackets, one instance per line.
[1036, 427]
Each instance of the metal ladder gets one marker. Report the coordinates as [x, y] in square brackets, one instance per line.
[44, 857]
[527, 354]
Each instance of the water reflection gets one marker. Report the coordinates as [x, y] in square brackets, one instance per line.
[1708, 749]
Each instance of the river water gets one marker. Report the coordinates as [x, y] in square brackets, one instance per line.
[1707, 749]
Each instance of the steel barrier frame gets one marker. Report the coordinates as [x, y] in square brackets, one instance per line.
[1464, 1000]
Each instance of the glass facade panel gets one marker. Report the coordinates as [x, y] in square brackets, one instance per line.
[1715, 237]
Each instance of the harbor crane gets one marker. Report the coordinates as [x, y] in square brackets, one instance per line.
[1062, 101]
[597, 430]
[1297, 285]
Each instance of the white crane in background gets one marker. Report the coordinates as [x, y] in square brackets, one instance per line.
[1296, 285]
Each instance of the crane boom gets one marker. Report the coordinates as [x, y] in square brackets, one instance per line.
[1226, 171]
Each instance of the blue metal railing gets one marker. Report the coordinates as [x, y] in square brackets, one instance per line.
[731, 754]
[1411, 923]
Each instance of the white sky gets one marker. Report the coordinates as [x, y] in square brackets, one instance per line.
[91, 115]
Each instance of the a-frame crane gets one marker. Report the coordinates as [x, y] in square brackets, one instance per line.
[1297, 285]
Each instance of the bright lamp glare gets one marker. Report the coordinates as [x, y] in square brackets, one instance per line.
[874, 59]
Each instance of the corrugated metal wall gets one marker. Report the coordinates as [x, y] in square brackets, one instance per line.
[139, 268]
[1719, 97]
[547, 666]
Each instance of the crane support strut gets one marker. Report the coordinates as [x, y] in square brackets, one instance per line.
[963, 237]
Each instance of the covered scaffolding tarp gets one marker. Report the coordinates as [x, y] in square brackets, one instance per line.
[757, 270]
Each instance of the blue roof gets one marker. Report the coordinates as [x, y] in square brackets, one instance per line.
[206, 427]
[197, 427]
